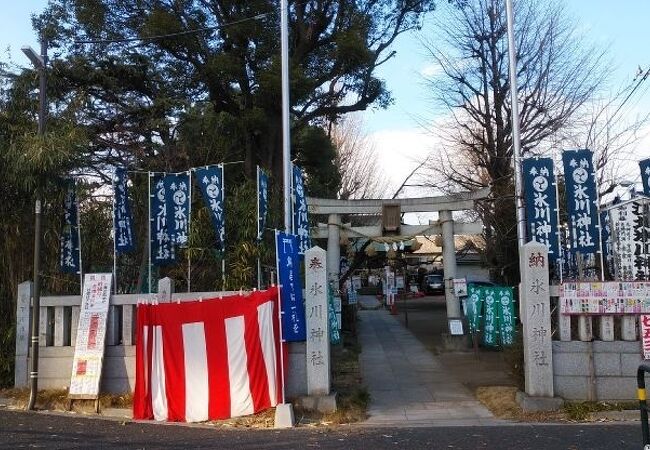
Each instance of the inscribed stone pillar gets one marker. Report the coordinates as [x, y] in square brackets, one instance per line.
[449, 262]
[535, 293]
[333, 249]
[318, 337]
[23, 335]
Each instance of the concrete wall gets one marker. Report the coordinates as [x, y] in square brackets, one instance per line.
[614, 369]
[55, 369]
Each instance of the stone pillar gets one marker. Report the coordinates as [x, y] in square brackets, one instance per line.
[23, 335]
[165, 290]
[334, 249]
[538, 352]
[318, 336]
[449, 262]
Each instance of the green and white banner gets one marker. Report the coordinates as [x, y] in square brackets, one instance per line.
[474, 308]
[506, 313]
[335, 336]
[491, 323]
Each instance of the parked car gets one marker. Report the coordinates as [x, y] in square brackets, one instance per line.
[433, 284]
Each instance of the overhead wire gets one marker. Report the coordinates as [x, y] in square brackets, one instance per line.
[171, 35]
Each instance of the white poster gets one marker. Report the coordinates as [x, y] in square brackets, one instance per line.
[91, 334]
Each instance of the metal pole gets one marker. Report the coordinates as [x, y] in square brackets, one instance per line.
[149, 228]
[189, 229]
[223, 243]
[36, 308]
[114, 241]
[259, 233]
[286, 136]
[81, 270]
[516, 143]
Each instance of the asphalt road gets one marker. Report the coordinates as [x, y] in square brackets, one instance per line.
[39, 430]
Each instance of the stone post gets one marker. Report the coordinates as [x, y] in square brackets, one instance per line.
[449, 262]
[165, 290]
[318, 336]
[538, 349]
[334, 249]
[23, 319]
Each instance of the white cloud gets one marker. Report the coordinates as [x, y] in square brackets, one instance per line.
[431, 70]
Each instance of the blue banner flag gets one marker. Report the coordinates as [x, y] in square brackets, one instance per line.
[122, 218]
[262, 201]
[162, 248]
[300, 219]
[177, 201]
[69, 256]
[292, 306]
[541, 204]
[582, 200]
[645, 175]
[211, 181]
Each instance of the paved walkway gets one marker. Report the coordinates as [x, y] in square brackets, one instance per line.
[408, 385]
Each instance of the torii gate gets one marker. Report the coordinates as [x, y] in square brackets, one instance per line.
[444, 205]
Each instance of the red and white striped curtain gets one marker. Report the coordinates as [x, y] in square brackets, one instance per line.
[210, 359]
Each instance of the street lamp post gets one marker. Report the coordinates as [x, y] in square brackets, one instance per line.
[40, 63]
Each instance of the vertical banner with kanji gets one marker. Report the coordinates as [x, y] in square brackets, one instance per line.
[541, 204]
[644, 324]
[491, 320]
[506, 313]
[300, 219]
[630, 249]
[608, 243]
[162, 246]
[91, 332]
[177, 201]
[122, 217]
[474, 308]
[292, 306]
[69, 251]
[211, 181]
[645, 175]
[262, 201]
[582, 200]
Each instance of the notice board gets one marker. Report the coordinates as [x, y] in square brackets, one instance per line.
[91, 334]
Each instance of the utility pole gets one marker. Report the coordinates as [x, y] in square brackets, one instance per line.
[40, 63]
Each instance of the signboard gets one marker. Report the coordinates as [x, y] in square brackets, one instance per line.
[399, 281]
[356, 283]
[91, 333]
[610, 297]
[460, 287]
[644, 324]
[292, 307]
[456, 327]
[629, 246]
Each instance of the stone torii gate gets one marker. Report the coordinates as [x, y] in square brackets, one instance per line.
[444, 205]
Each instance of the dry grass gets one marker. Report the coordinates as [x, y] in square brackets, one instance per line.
[500, 400]
[57, 400]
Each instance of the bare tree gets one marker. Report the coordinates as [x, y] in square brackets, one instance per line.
[557, 76]
[361, 174]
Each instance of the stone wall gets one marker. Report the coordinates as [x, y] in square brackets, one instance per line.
[613, 371]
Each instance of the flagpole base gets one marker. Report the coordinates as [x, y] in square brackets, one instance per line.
[284, 416]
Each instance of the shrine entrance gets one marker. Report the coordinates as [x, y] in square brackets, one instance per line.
[383, 217]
